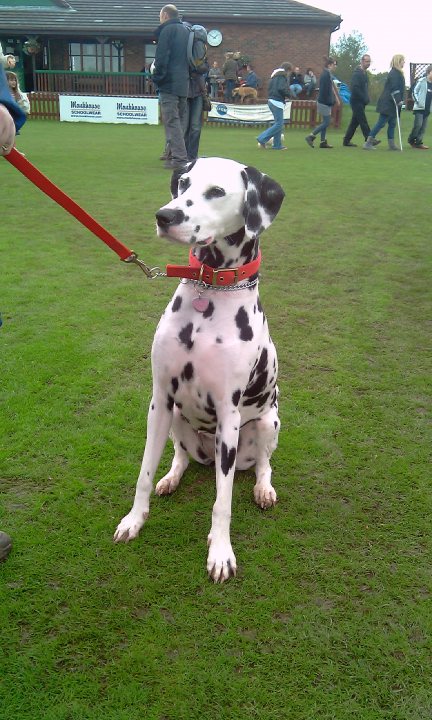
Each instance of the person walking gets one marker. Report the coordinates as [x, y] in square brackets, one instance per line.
[422, 95]
[359, 87]
[278, 91]
[327, 97]
[389, 104]
[171, 75]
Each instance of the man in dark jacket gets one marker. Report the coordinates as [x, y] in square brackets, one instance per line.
[359, 99]
[171, 75]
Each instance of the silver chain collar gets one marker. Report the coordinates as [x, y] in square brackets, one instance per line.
[201, 286]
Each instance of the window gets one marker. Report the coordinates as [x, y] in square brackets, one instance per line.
[149, 52]
[96, 57]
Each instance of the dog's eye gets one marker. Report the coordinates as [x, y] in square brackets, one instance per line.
[214, 192]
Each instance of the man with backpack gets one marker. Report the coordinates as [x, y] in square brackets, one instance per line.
[171, 75]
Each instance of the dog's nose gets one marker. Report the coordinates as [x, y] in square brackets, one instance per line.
[165, 217]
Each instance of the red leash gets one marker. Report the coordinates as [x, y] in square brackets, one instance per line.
[43, 183]
[195, 271]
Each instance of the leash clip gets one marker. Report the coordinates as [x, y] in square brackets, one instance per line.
[150, 273]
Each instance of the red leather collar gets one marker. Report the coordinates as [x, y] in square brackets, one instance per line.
[197, 270]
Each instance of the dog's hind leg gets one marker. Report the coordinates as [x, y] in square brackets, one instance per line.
[158, 426]
[266, 442]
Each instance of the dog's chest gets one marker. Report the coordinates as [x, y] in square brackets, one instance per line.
[205, 358]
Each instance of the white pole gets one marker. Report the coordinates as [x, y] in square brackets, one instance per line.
[398, 123]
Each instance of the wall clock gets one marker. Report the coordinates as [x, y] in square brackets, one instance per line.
[214, 37]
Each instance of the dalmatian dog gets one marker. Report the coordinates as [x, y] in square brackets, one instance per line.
[214, 364]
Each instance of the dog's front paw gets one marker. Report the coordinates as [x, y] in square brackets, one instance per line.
[265, 496]
[221, 561]
[129, 527]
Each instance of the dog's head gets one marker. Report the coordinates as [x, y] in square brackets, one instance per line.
[215, 198]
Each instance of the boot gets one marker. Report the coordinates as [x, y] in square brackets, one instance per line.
[369, 144]
[324, 144]
[393, 146]
[310, 139]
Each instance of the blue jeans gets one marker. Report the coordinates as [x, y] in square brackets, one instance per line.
[323, 127]
[275, 130]
[229, 87]
[295, 89]
[194, 125]
[382, 120]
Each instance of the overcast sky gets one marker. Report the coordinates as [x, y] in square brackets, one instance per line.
[388, 28]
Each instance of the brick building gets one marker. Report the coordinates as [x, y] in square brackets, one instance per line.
[116, 36]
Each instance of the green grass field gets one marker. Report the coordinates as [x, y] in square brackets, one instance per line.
[329, 617]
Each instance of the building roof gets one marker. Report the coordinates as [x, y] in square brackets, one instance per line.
[138, 17]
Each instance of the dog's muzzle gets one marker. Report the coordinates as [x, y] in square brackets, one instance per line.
[166, 218]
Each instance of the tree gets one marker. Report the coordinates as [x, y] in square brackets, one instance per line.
[348, 52]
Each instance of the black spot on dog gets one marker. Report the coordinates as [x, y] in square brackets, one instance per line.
[177, 303]
[214, 192]
[242, 322]
[211, 256]
[185, 336]
[272, 196]
[189, 203]
[263, 399]
[254, 221]
[209, 311]
[219, 340]
[179, 405]
[170, 402]
[258, 386]
[188, 371]
[236, 238]
[236, 397]
[275, 424]
[201, 454]
[152, 407]
[249, 250]
[175, 384]
[197, 228]
[228, 458]
[260, 307]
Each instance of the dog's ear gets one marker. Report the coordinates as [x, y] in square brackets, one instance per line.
[176, 176]
[263, 199]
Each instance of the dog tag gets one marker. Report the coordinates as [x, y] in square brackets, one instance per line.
[200, 304]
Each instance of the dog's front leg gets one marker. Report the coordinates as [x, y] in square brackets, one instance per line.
[158, 425]
[221, 561]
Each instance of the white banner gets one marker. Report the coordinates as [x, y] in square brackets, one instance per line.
[224, 112]
[98, 109]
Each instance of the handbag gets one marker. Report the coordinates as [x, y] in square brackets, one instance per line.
[207, 105]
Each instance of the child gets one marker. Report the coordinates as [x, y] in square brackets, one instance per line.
[422, 95]
[20, 98]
